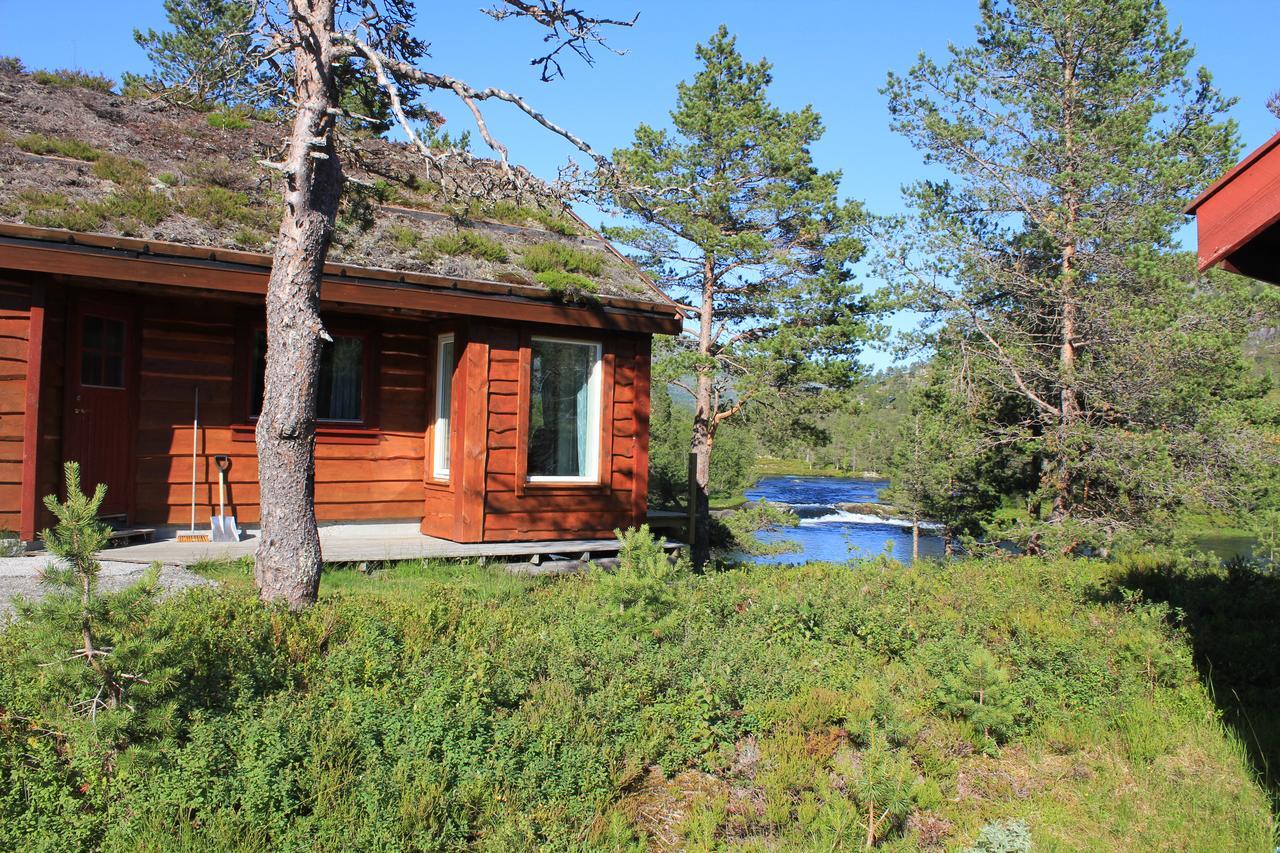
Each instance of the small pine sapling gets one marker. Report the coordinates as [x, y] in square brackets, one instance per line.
[980, 693]
[75, 539]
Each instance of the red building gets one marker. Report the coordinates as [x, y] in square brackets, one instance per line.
[489, 375]
[1238, 218]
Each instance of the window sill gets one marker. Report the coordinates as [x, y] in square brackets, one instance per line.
[577, 487]
[326, 433]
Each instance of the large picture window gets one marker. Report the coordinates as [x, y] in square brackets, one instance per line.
[340, 393]
[564, 411]
[444, 407]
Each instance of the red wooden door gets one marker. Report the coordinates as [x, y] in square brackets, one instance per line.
[100, 394]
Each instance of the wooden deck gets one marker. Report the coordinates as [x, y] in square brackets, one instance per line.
[371, 543]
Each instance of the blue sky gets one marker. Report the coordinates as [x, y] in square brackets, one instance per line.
[831, 54]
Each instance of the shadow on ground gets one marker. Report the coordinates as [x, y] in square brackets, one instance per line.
[1232, 618]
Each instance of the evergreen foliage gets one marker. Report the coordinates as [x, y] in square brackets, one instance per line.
[1081, 349]
[753, 236]
[209, 58]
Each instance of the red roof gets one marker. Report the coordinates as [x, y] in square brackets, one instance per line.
[1238, 217]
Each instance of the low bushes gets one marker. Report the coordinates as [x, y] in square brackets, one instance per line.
[816, 706]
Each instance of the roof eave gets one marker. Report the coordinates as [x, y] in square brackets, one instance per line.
[478, 287]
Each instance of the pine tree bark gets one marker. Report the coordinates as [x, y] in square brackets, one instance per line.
[288, 559]
[1068, 401]
[703, 426]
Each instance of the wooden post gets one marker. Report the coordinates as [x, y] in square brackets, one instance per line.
[692, 497]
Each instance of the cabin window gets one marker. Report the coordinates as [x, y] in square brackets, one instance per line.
[564, 411]
[340, 393]
[444, 407]
[102, 352]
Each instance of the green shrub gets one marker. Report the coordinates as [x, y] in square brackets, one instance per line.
[558, 257]
[38, 143]
[68, 78]
[1005, 836]
[568, 286]
[228, 119]
[219, 207]
[425, 706]
[735, 531]
[404, 239]
[466, 243]
[121, 170]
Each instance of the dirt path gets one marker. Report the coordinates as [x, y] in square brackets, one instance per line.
[21, 576]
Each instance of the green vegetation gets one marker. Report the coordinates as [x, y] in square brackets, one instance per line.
[568, 286]
[1087, 380]
[39, 143]
[209, 58]
[69, 78]
[559, 257]
[735, 532]
[670, 426]
[517, 214]
[433, 706]
[465, 243]
[405, 239]
[120, 170]
[219, 207]
[757, 239]
[228, 119]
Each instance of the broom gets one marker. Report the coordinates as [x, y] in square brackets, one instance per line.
[194, 535]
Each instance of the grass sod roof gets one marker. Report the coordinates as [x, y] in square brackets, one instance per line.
[93, 162]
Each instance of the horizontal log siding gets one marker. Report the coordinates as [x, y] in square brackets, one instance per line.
[188, 344]
[15, 315]
[536, 512]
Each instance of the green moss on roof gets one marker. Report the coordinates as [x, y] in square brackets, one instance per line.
[125, 166]
[69, 78]
[569, 286]
[560, 257]
[468, 243]
[38, 143]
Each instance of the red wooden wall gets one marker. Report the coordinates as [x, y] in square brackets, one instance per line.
[15, 313]
[488, 498]
[378, 473]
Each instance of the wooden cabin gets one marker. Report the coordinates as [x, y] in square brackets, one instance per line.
[1238, 218]
[489, 372]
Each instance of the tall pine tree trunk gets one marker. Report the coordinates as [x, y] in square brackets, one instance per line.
[703, 426]
[288, 558]
[1068, 401]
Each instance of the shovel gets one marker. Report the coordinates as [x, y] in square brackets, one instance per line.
[224, 526]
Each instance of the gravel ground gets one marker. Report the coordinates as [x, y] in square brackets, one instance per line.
[21, 576]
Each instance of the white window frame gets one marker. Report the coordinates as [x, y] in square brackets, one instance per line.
[440, 437]
[595, 405]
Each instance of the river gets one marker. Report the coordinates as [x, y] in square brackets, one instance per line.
[829, 534]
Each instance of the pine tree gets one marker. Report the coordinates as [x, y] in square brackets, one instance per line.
[1072, 135]
[74, 607]
[209, 58]
[753, 237]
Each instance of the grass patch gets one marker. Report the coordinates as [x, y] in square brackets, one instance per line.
[558, 257]
[439, 706]
[130, 209]
[404, 239]
[74, 78]
[39, 143]
[228, 119]
[52, 210]
[121, 170]
[568, 286]
[220, 207]
[465, 243]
